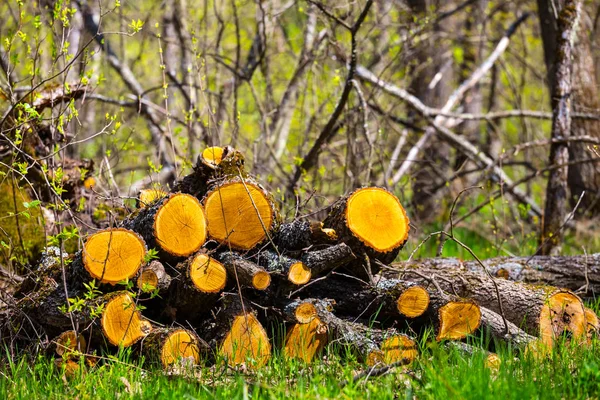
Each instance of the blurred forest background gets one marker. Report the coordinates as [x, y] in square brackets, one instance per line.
[446, 104]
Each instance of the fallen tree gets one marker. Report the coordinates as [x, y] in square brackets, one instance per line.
[226, 272]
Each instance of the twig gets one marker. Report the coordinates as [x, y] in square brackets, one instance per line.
[312, 157]
[375, 371]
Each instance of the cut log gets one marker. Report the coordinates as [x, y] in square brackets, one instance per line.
[153, 277]
[491, 361]
[295, 271]
[322, 261]
[456, 318]
[372, 345]
[213, 164]
[371, 221]
[240, 213]
[68, 344]
[493, 324]
[304, 341]
[575, 273]
[147, 197]
[385, 298]
[237, 335]
[175, 225]
[166, 347]
[197, 288]
[112, 255]
[245, 272]
[122, 323]
[542, 311]
[395, 348]
[300, 235]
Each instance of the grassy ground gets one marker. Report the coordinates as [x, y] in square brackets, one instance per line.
[439, 372]
[569, 373]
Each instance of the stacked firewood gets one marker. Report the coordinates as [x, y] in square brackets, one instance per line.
[225, 272]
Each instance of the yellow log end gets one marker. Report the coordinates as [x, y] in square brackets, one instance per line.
[239, 214]
[376, 217]
[149, 196]
[304, 341]
[299, 273]
[212, 156]
[180, 344]
[69, 342]
[562, 313]
[458, 319]
[246, 342]
[122, 323]
[180, 226]
[413, 302]
[147, 281]
[394, 349]
[492, 362]
[207, 274]
[261, 280]
[305, 313]
[113, 255]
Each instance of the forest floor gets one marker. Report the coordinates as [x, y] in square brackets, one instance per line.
[438, 373]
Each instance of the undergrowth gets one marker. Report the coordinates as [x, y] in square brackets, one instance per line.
[439, 372]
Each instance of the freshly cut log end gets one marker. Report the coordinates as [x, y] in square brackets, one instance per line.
[122, 323]
[149, 196]
[153, 277]
[207, 274]
[69, 368]
[413, 302]
[394, 349]
[295, 270]
[69, 342]
[563, 312]
[212, 156]
[372, 222]
[180, 226]
[305, 340]
[457, 320]
[492, 362]
[245, 272]
[240, 214]
[171, 346]
[305, 313]
[377, 218]
[299, 273]
[113, 255]
[246, 342]
[593, 323]
[261, 280]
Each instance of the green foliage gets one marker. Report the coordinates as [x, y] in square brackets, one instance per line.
[440, 372]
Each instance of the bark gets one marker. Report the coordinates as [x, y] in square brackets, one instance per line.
[153, 272]
[522, 304]
[299, 235]
[556, 191]
[328, 259]
[245, 272]
[584, 96]
[580, 274]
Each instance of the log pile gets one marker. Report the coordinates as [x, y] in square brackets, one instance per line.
[226, 272]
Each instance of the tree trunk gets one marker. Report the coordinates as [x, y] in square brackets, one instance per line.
[584, 96]
[556, 191]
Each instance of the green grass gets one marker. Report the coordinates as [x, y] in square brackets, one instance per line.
[570, 372]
